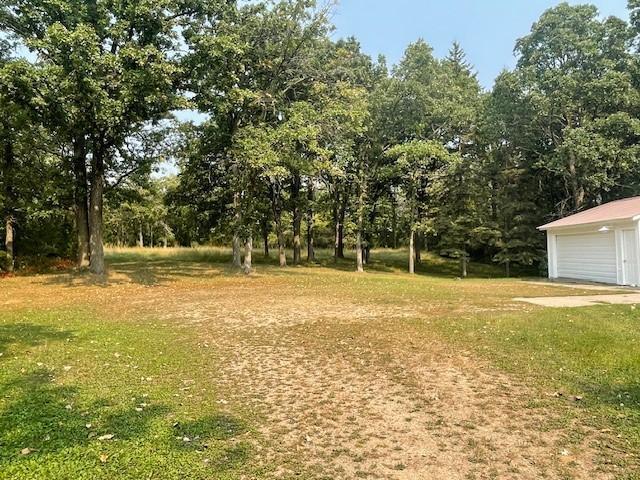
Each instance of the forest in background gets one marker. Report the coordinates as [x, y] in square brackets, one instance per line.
[308, 142]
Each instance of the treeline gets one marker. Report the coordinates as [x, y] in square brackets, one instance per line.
[307, 141]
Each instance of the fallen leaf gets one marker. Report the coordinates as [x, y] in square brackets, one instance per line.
[25, 451]
[103, 458]
[108, 436]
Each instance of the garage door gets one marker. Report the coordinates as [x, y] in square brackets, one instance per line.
[588, 257]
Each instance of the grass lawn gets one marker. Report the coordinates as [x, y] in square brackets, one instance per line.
[175, 368]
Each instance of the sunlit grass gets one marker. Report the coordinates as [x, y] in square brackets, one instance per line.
[390, 260]
[87, 398]
[147, 379]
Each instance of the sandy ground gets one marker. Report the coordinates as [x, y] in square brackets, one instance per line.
[340, 385]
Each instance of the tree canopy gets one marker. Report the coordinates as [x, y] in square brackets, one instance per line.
[307, 141]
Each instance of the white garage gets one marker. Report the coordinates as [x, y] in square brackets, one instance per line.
[598, 245]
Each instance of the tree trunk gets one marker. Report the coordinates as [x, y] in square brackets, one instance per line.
[96, 245]
[394, 222]
[265, 238]
[339, 212]
[248, 255]
[412, 253]
[237, 260]
[8, 242]
[276, 202]
[463, 266]
[297, 219]
[342, 214]
[140, 236]
[494, 201]
[282, 255]
[359, 234]
[81, 200]
[577, 191]
[311, 254]
[150, 236]
[359, 253]
[10, 199]
[335, 229]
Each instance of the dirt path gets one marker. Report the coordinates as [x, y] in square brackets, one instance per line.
[345, 388]
[348, 413]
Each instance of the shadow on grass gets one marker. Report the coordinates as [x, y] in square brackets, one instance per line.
[40, 417]
[625, 398]
[28, 335]
[143, 272]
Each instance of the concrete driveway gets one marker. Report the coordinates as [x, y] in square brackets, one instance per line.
[611, 295]
[583, 300]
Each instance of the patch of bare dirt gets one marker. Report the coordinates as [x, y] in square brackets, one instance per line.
[348, 413]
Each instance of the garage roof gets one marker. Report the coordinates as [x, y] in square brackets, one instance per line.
[626, 209]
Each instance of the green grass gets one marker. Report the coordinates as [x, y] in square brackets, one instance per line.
[592, 353]
[386, 260]
[68, 378]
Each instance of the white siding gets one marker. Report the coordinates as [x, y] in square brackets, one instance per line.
[589, 256]
[630, 257]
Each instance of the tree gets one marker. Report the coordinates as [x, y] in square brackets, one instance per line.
[20, 136]
[116, 63]
[139, 211]
[577, 71]
[416, 163]
[267, 69]
[509, 179]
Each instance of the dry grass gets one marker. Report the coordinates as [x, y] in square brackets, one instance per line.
[340, 373]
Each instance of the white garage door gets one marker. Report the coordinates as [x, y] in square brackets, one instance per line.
[588, 257]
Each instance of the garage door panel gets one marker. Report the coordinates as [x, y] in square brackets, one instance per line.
[588, 257]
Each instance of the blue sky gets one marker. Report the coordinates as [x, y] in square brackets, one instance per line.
[486, 29]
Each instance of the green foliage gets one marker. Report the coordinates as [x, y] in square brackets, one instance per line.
[140, 215]
[578, 74]
[304, 132]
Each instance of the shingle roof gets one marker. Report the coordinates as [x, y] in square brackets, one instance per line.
[625, 209]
